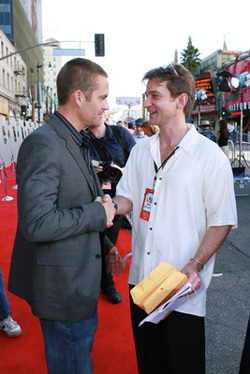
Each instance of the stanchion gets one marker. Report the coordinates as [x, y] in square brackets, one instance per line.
[14, 168]
[6, 198]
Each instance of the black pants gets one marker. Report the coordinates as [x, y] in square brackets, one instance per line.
[174, 346]
[112, 233]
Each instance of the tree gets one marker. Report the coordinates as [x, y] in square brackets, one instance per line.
[190, 57]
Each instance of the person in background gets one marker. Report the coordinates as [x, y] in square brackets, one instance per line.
[207, 130]
[139, 133]
[149, 129]
[223, 136]
[184, 225]
[131, 127]
[59, 246]
[7, 324]
[122, 123]
[111, 146]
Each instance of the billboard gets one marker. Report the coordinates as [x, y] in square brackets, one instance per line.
[33, 11]
[204, 81]
[120, 100]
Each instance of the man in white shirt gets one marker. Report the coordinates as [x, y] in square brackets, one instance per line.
[192, 212]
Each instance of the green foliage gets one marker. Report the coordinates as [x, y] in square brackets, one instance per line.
[190, 57]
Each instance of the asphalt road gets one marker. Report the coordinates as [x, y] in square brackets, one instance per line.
[228, 298]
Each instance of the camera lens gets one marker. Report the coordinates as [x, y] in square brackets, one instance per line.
[114, 174]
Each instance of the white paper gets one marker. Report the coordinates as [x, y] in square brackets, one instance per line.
[174, 302]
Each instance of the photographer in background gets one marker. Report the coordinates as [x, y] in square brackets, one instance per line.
[109, 148]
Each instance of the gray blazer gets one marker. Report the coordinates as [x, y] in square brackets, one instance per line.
[56, 259]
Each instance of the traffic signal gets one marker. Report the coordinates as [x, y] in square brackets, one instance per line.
[225, 113]
[23, 110]
[99, 45]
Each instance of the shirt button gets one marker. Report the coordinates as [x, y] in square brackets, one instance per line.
[148, 253]
[98, 255]
[151, 228]
[155, 203]
[160, 179]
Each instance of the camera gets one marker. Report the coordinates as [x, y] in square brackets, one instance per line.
[111, 173]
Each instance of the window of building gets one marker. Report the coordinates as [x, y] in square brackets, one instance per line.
[4, 82]
[8, 81]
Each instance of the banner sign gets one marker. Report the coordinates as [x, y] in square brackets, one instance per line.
[68, 52]
[204, 81]
[128, 100]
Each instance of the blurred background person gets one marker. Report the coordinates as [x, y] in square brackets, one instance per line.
[131, 127]
[7, 324]
[223, 136]
[122, 123]
[148, 129]
[110, 147]
[139, 133]
[207, 130]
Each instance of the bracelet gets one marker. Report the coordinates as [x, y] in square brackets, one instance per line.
[195, 259]
[115, 205]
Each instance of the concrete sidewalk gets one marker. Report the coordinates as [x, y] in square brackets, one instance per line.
[228, 298]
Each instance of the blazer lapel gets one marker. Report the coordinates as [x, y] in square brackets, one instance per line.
[73, 148]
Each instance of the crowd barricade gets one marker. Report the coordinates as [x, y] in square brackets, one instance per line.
[240, 162]
[12, 133]
[237, 159]
[2, 178]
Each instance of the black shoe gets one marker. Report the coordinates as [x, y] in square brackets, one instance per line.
[113, 295]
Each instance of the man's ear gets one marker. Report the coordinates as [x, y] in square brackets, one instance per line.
[78, 97]
[182, 100]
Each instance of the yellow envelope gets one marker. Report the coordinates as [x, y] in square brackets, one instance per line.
[155, 289]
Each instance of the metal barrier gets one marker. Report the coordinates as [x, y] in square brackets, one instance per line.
[234, 153]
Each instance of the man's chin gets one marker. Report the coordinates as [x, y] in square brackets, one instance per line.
[96, 123]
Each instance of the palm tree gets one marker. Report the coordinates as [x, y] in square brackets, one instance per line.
[190, 57]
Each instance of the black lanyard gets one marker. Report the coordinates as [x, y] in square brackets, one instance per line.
[156, 170]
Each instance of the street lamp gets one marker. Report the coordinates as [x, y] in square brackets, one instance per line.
[38, 92]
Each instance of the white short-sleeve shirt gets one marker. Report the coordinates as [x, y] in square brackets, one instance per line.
[192, 192]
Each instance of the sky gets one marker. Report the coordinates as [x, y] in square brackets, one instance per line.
[141, 35]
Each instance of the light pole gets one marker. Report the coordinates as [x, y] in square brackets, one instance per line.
[38, 92]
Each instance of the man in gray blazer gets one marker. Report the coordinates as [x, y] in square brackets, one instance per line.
[59, 245]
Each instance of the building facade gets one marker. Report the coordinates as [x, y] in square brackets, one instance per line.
[21, 22]
[13, 80]
[51, 67]
[211, 108]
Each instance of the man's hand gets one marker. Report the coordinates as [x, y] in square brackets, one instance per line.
[98, 169]
[191, 269]
[117, 167]
[109, 207]
[113, 261]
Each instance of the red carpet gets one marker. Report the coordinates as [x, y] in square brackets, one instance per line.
[113, 350]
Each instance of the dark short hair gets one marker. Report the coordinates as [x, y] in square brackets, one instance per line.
[178, 80]
[78, 74]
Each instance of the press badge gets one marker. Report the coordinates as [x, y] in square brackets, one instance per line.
[106, 184]
[147, 204]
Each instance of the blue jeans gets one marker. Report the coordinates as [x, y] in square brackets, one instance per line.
[4, 302]
[68, 345]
